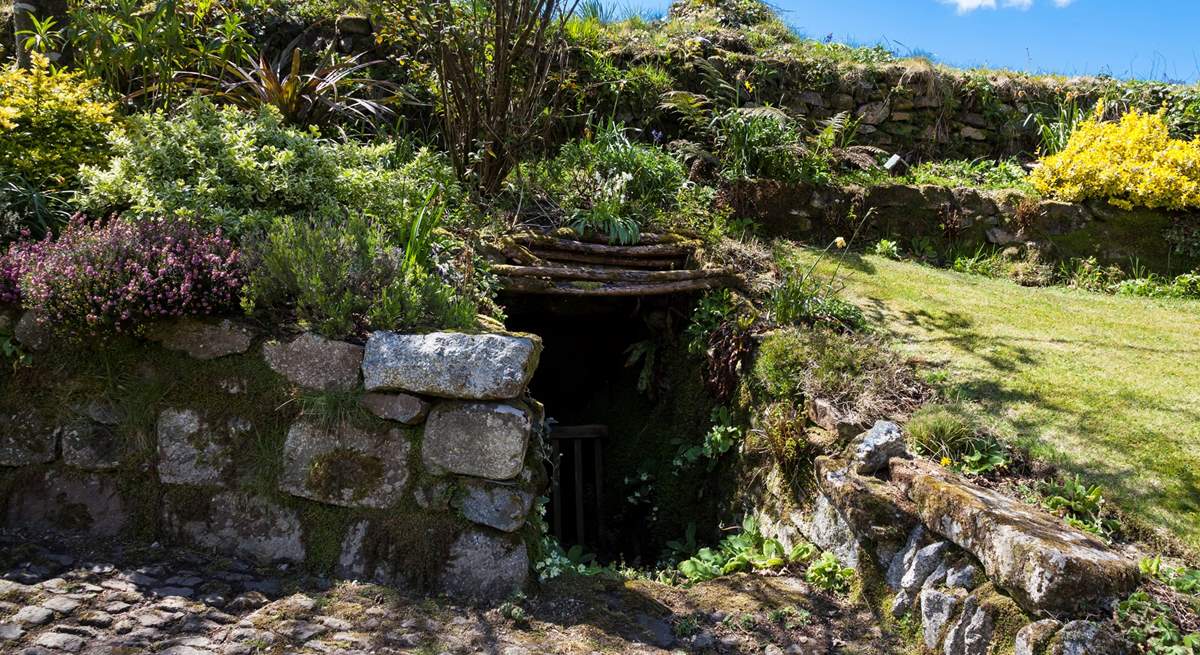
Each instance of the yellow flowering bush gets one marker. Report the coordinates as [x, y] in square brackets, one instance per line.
[51, 123]
[1133, 162]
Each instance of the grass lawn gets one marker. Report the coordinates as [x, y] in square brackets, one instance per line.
[1105, 386]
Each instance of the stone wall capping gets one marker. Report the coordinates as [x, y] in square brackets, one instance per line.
[455, 365]
[315, 362]
[203, 338]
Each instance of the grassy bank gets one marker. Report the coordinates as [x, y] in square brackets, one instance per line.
[1105, 386]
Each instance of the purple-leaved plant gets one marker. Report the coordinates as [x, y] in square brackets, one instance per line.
[121, 275]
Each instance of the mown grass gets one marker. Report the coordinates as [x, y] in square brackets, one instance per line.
[1108, 387]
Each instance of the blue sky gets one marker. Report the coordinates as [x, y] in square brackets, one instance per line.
[1125, 38]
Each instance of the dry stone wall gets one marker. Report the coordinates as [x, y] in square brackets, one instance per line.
[973, 567]
[426, 473]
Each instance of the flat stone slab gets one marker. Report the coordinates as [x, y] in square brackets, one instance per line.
[450, 364]
[203, 339]
[71, 501]
[1044, 564]
[315, 362]
[483, 440]
[345, 466]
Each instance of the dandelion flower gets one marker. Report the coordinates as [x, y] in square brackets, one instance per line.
[840, 243]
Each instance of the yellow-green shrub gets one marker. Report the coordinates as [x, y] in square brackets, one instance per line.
[1131, 163]
[51, 123]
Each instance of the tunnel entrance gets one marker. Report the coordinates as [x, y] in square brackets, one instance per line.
[621, 395]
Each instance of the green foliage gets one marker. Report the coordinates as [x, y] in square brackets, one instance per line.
[828, 574]
[238, 171]
[611, 185]
[1078, 504]
[1148, 624]
[800, 300]
[747, 550]
[953, 435]
[1181, 579]
[887, 248]
[713, 309]
[52, 121]
[724, 434]
[343, 276]
[984, 261]
[856, 373]
[138, 49]
[763, 143]
[1056, 130]
[324, 96]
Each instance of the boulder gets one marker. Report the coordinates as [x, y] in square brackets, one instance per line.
[451, 365]
[70, 501]
[1087, 638]
[24, 440]
[938, 608]
[503, 507]
[346, 466]
[203, 339]
[484, 440]
[399, 407]
[1034, 638]
[240, 524]
[873, 449]
[91, 447]
[1044, 564]
[485, 566]
[314, 362]
[190, 451]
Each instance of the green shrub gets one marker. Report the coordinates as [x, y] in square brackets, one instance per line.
[225, 168]
[953, 435]
[52, 121]
[346, 274]
[756, 143]
[611, 185]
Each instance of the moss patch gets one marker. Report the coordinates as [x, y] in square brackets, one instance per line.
[341, 470]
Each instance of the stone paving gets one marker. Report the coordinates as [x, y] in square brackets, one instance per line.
[82, 596]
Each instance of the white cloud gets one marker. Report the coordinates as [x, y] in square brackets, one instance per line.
[967, 6]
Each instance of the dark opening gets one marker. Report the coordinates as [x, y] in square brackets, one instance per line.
[616, 490]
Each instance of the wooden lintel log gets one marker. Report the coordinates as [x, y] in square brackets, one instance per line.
[609, 260]
[682, 249]
[591, 274]
[535, 286]
[644, 239]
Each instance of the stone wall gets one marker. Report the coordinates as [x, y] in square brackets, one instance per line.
[965, 218]
[912, 108]
[974, 568]
[412, 460]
